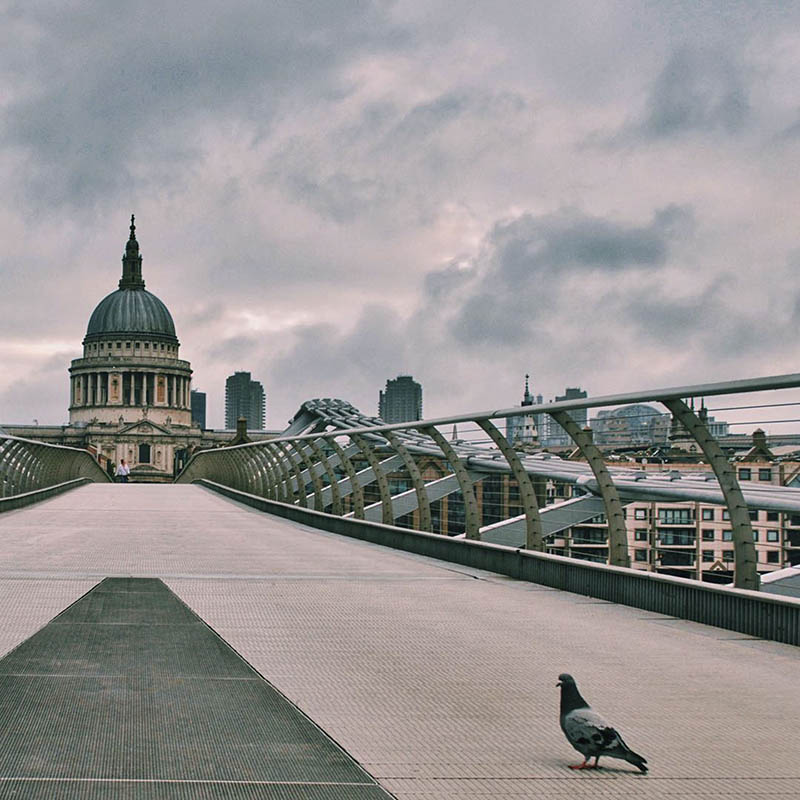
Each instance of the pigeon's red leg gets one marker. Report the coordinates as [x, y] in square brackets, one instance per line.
[585, 765]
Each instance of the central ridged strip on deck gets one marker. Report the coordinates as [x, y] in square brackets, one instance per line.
[127, 693]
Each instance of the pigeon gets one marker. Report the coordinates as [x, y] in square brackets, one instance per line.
[588, 732]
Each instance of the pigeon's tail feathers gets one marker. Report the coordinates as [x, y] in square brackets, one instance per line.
[634, 758]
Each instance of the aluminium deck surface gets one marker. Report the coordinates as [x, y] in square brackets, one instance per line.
[437, 679]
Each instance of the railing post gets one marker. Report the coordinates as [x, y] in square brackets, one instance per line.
[336, 497]
[269, 486]
[285, 485]
[387, 515]
[534, 538]
[744, 551]
[617, 532]
[316, 483]
[300, 485]
[472, 521]
[416, 479]
[357, 490]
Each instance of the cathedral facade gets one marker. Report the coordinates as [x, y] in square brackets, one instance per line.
[130, 390]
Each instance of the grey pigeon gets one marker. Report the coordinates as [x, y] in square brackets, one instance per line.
[588, 732]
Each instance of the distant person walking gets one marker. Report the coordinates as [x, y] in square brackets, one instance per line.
[123, 470]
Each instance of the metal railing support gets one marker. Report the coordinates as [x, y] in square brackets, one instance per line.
[472, 519]
[423, 504]
[534, 536]
[284, 486]
[316, 483]
[356, 489]
[380, 477]
[615, 516]
[744, 551]
[333, 481]
[300, 487]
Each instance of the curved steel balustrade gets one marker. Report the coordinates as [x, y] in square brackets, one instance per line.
[331, 453]
[28, 466]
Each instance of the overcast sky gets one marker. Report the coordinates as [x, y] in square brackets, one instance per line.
[329, 194]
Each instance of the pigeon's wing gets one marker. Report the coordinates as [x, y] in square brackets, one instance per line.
[590, 734]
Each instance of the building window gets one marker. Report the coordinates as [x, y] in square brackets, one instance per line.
[773, 557]
[708, 556]
[641, 535]
[147, 345]
[765, 474]
[753, 512]
[640, 513]
[745, 473]
[675, 516]
[640, 555]
[708, 513]
[708, 535]
[726, 514]
[727, 555]
[772, 516]
[127, 345]
[755, 536]
[727, 536]
[144, 453]
[772, 536]
[119, 345]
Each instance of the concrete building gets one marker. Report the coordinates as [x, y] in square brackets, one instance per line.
[401, 401]
[554, 435]
[198, 400]
[244, 397]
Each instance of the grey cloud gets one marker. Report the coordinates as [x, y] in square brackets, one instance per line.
[233, 348]
[390, 161]
[698, 90]
[441, 283]
[527, 260]
[325, 361]
[110, 87]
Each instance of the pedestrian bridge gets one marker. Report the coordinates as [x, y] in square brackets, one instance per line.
[385, 673]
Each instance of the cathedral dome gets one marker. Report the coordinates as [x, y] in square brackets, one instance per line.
[131, 309]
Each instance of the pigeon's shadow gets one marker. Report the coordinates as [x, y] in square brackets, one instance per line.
[603, 769]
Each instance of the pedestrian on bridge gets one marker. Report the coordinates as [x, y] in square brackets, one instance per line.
[123, 470]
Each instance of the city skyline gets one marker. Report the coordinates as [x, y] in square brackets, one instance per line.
[596, 193]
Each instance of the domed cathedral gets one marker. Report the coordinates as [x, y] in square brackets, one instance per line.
[130, 390]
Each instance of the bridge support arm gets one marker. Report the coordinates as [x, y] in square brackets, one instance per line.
[332, 479]
[744, 551]
[380, 476]
[423, 504]
[472, 516]
[534, 538]
[617, 532]
[300, 486]
[350, 471]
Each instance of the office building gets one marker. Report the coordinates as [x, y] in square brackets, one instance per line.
[401, 401]
[198, 408]
[244, 397]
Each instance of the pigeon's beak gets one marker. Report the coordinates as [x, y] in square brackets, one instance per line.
[558, 684]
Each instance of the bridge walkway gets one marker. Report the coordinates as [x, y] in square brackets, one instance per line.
[438, 680]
